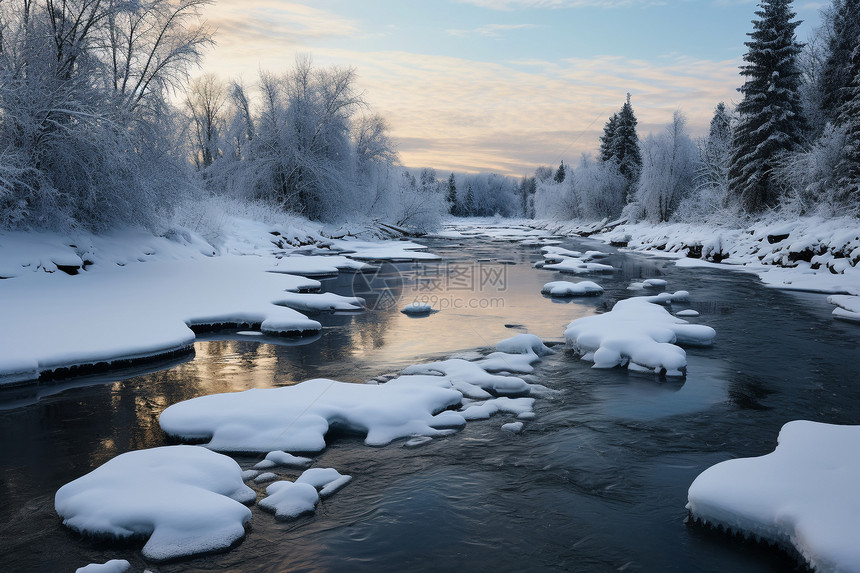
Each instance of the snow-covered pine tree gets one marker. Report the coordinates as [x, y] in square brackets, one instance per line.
[769, 116]
[715, 150]
[848, 118]
[842, 41]
[559, 174]
[626, 145]
[452, 195]
[608, 137]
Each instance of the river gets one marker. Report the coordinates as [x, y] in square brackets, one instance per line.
[596, 482]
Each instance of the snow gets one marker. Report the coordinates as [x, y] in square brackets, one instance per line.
[279, 458]
[138, 297]
[513, 427]
[847, 307]
[638, 333]
[803, 494]
[379, 251]
[416, 308]
[327, 480]
[687, 313]
[567, 288]
[185, 499]
[137, 311]
[484, 410]
[296, 418]
[577, 265]
[812, 254]
[112, 566]
[288, 499]
[455, 371]
[515, 354]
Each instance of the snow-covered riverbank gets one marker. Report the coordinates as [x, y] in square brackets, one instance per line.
[70, 303]
[807, 254]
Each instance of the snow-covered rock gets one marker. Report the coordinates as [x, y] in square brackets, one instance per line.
[417, 308]
[297, 418]
[803, 494]
[184, 499]
[577, 265]
[637, 333]
[567, 288]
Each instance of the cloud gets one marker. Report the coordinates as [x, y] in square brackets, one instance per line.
[530, 4]
[458, 114]
[491, 30]
[268, 24]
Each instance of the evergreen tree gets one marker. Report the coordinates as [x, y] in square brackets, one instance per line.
[626, 145]
[469, 204]
[848, 169]
[842, 42]
[452, 195]
[560, 173]
[770, 121]
[716, 151]
[608, 138]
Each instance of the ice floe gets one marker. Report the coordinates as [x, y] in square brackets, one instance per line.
[802, 495]
[638, 333]
[185, 499]
[569, 289]
[297, 418]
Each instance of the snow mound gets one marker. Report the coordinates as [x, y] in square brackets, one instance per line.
[297, 418]
[185, 499]
[456, 370]
[513, 427]
[112, 566]
[577, 265]
[567, 288]
[515, 354]
[637, 333]
[279, 458]
[288, 499]
[416, 308]
[320, 302]
[687, 312]
[484, 410]
[803, 494]
[524, 344]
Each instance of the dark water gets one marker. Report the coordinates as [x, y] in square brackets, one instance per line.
[597, 482]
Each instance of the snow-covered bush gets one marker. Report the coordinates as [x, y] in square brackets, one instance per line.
[669, 166]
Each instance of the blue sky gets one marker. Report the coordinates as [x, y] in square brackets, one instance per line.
[504, 85]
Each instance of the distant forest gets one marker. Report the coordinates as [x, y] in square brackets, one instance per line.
[91, 136]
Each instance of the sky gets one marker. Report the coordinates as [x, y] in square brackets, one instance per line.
[504, 85]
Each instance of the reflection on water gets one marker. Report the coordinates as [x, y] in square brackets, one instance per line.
[596, 482]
